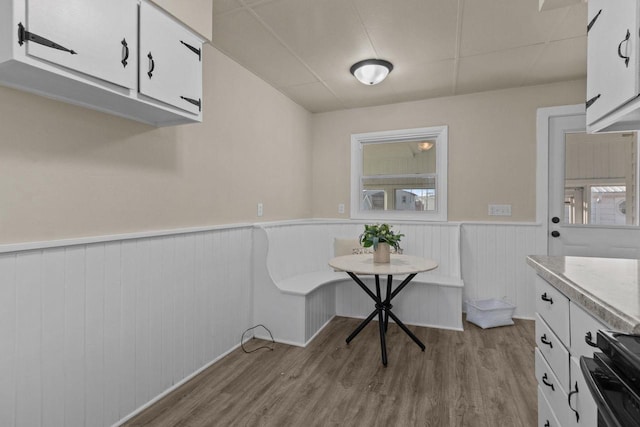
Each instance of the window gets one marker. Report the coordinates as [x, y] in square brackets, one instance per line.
[600, 179]
[400, 174]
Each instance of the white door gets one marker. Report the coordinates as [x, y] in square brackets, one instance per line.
[170, 61]
[584, 172]
[95, 37]
[612, 62]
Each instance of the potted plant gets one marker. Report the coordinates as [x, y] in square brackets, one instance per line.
[381, 237]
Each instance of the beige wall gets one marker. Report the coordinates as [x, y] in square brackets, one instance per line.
[492, 147]
[68, 172]
[195, 13]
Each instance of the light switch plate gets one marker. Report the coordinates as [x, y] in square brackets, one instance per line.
[260, 209]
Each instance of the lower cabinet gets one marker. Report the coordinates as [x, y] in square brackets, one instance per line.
[546, 416]
[564, 332]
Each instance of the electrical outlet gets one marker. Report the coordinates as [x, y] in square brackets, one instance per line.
[341, 208]
[260, 209]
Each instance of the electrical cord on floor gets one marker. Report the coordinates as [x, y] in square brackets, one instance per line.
[259, 348]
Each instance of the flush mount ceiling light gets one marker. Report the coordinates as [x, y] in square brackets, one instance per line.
[425, 145]
[371, 71]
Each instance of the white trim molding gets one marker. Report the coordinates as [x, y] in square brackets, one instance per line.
[439, 133]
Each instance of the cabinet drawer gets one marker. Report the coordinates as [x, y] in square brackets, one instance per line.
[551, 388]
[583, 328]
[553, 307]
[546, 417]
[554, 352]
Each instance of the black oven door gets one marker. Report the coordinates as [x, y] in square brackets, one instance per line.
[618, 404]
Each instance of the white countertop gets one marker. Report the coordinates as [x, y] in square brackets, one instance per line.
[400, 264]
[609, 288]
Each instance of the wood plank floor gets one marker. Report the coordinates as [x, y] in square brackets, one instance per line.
[472, 378]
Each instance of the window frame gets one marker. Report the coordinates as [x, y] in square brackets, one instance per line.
[359, 140]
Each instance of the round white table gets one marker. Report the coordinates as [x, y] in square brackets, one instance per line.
[363, 264]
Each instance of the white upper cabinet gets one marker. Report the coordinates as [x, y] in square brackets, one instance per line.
[613, 83]
[170, 60]
[85, 52]
[94, 37]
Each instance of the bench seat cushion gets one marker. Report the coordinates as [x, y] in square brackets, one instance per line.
[454, 282]
[304, 284]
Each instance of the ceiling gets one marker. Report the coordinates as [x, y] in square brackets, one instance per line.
[305, 48]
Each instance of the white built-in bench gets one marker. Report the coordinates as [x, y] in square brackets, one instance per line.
[296, 293]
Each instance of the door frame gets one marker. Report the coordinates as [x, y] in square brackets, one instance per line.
[543, 117]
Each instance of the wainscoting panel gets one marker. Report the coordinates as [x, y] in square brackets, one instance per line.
[90, 333]
[321, 307]
[494, 263]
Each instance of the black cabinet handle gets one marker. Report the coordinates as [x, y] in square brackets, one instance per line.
[588, 338]
[544, 340]
[569, 402]
[125, 52]
[546, 298]
[26, 36]
[196, 102]
[548, 384]
[590, 102]
[193, 49]
[626, 58]
[152, 65]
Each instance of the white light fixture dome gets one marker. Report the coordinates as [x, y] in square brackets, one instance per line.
[425, 145]
[371, 71]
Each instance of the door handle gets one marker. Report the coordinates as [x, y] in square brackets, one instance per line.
[152, 65]
[569, 402]
[546, 298]
[125, 52]
[626, 58]
[555, 233]
[555, 220]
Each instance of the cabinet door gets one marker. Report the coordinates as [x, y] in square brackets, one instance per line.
[170, 60]
[583, 407]
[584, 329]
[95, 37]
[612, 59]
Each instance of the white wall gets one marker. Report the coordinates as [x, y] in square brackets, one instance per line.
[67, 171]
[492, 147]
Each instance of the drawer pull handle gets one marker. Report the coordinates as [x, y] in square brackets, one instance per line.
[588, 338]
[544, 340]
[569, 402]
[546, 298]
[548, 384]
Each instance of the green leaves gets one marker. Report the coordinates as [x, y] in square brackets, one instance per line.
[375, 234]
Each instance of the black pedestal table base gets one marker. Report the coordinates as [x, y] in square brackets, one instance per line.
[383, 311]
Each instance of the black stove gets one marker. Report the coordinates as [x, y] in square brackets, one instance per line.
[613, 377]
